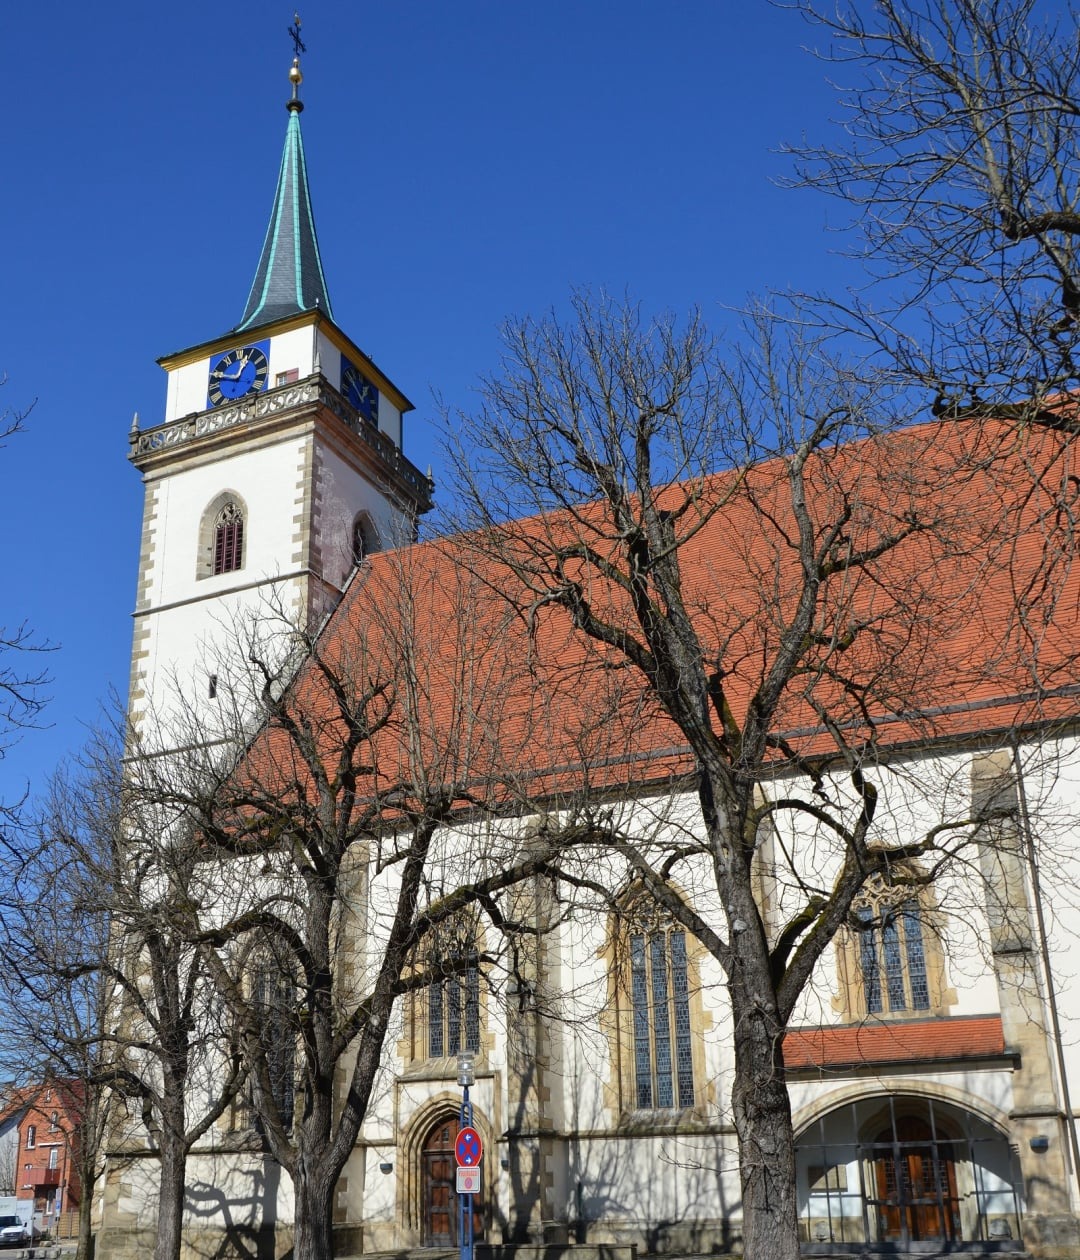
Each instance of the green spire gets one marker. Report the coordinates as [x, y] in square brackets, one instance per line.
[289, 278]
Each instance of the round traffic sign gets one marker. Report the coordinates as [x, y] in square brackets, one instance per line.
[468, 1148]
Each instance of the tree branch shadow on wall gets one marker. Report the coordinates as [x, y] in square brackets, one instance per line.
[248, 1230]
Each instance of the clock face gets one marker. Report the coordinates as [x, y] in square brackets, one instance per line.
[238, 372]
[359, 392]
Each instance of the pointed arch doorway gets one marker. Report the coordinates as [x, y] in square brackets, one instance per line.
[439, 1205]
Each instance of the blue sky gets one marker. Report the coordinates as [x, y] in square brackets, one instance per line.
[468, 162]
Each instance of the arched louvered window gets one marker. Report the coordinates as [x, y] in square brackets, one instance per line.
[229, 539]
[365, 538]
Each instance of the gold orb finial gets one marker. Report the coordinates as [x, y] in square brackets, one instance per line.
[295, 77]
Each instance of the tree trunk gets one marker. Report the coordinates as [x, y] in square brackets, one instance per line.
[170, 1213]
[85, 1244]
[313, 1228]
[762, 1115]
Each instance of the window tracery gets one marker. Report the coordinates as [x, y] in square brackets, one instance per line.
[222, 544]
[891, 962]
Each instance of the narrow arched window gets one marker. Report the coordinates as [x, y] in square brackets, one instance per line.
[655, 984]
[365, 538]
[228, 539]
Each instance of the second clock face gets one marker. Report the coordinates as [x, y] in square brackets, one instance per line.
[237, 372]
[359, 392]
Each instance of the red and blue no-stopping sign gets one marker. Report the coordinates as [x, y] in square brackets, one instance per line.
[468, 1148]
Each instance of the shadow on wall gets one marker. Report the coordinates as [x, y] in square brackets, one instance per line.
[243, 1225]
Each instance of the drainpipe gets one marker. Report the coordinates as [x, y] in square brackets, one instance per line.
[1044, 953]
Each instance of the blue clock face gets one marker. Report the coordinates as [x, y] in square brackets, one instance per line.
[359, 392]
[238, 372]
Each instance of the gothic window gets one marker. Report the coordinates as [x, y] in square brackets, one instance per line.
[453, 1014]
[229, 539]
[892, 959]
[222, 536]
[447, 1012]
[272, 993]
[275, 998]
[656, 991]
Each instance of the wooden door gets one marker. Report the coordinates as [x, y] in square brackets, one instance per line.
[916, 1185]
[440, 1200]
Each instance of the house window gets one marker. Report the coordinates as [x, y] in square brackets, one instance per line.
[891, 961]
[54, 1154]
[31, 1136]
[287, 378]
[54, 1122]
[659, 1002]
[229, 539]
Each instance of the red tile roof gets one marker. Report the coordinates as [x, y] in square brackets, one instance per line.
[915, 1041]
[970, 626]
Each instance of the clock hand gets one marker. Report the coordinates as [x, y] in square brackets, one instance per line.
[231, 376]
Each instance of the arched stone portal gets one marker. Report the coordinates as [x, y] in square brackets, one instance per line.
[438, 1208]
[906, 1171]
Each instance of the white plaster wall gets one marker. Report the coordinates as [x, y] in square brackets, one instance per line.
[269, 481]
[343, 494]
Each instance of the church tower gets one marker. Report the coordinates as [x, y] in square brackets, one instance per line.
[278, 464]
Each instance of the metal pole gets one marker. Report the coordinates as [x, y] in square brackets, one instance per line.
[465, 1201]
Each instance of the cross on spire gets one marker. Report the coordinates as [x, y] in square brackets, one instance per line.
[294, 34]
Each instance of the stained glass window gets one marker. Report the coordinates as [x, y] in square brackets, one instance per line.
[892, 959]
[660, 1010]
[453, 1002]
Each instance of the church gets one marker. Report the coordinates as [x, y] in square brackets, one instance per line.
[929, 1062]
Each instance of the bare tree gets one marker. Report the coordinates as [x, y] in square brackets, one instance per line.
[778, 571]
[327, 857]
[21, 686]
[106, 985]
[956, 150]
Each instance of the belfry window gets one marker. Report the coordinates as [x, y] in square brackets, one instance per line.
[365, 538]
[228, 539]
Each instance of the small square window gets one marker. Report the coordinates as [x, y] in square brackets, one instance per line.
[287, 378]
